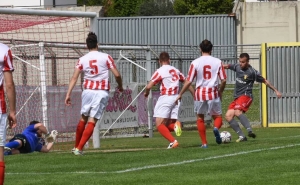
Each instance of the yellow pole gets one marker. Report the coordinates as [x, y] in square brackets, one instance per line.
[264, 88]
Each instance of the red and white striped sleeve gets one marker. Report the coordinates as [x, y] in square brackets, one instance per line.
[221, 73]
[156, 77]
[181, 77]
[192, 73]
[8, 62]
[79, 65]
[110, 62]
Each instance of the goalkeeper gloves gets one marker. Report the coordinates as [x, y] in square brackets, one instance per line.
[52, 136]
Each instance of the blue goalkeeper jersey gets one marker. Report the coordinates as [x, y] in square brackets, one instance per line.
[31, 135]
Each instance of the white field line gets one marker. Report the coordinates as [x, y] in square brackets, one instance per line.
[162, 165]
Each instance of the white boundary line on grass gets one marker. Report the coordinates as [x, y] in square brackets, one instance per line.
[163, 165]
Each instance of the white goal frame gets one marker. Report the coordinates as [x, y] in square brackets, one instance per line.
[92, 16]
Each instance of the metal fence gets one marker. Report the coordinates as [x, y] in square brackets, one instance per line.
[281, 67]
[173, 30]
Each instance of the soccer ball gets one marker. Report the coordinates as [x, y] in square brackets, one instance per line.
[225, 136]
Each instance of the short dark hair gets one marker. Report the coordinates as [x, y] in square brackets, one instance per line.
[91, 40]
[164, 56]
[33, 122]
[245, 55]
[206, 46]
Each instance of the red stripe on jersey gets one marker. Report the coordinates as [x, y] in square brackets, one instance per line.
[110, 62]
[156, 78]
[222, 75]
[181, 77]
[103, 84]
[175, 90]
[216, 93]
[79, 66]
[85, 84]
[7, 63]
[203, 91]
[190, 73]
[2, 100]
[163, 90]
[197, 97]
[209, 92]
[170, 91]
[97, 85]
[91, 86]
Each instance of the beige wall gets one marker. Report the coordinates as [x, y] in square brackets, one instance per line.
[267, 22]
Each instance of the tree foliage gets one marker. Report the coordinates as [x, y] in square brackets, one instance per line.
[124, 8]
[156, 8]
[90, 2]
[200, 7]
[121, 8]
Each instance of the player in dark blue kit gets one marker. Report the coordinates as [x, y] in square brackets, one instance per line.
[31, 140]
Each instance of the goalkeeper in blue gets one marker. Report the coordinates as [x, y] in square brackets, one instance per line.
[31, 140]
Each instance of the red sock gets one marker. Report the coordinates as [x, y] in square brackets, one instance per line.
[79, 131]
[202, 130]
[164, 131]
[2, 170]
[218, 122]
[87, 133]
[171, 127]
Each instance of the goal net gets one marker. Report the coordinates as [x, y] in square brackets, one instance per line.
[45, 50]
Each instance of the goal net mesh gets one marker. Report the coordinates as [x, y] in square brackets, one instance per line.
[64, 43]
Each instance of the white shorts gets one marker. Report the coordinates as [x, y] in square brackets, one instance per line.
[94, 102]
[3, 121]
[210, 107]
[166, 108]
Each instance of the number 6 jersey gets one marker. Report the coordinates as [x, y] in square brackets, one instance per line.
[206, 70]
[169, 78]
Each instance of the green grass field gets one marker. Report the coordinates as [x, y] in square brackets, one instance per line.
[272, 158]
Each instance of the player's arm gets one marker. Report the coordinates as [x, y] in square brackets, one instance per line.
[148, 88]
[222, 85]
[192, 90]
[268, 84]
[226, 66]
[11, 96]
[222, 76]
[47, 148]
[118, 78]
[185, 87]
[71, 86]
[41, 128]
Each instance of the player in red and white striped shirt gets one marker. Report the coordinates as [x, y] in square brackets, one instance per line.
[96, 66]
[6, 80]
[166, 110]
[207, 70]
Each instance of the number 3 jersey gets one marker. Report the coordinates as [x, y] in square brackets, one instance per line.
[96, 66]
[206, 70]
[169, 78]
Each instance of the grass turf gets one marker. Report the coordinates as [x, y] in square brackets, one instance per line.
[271, 158]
